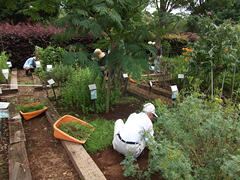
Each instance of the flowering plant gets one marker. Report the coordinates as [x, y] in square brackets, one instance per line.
[214, 51]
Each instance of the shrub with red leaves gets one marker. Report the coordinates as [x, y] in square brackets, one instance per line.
[20, 40]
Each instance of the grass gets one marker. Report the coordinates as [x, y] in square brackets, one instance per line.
[27, 83]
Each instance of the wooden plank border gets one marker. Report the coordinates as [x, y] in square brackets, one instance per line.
[81, 160]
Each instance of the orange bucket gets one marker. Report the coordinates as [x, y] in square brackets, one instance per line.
[33, 114]
[62, 135]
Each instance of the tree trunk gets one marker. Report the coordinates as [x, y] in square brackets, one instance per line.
[108, 89]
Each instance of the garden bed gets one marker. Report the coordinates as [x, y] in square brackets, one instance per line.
[47, 158]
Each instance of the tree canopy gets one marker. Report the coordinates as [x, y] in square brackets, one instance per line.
[14, 11]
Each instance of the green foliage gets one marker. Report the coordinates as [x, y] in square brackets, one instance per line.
[216, 48]
[206, 133]
[3, 64]
[75, 93]
[130, 169]
[59, 73]
[50, 55]
[30, 108]
[101, 137]
[76, 130]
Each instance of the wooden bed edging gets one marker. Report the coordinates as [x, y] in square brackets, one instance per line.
[81, 160]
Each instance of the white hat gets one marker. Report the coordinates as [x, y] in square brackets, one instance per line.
[27, 67]
[99, 53]
[149, 108]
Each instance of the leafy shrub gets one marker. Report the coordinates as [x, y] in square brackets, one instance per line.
[59, 73]
[76, 94]
[207, 133]
[101, 137]
[50, 55]
[20, 39]
[198, 139]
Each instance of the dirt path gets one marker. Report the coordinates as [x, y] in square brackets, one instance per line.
[47, 157]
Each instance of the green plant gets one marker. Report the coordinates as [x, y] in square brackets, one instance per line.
[75, 92]
[101, 137]
[50, 55]
[3, 64]
[30, 108]
[214, 52]
[76, 130]
[206, 132]
[59, 73]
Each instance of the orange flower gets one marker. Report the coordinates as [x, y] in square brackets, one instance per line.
[226, 49]
[202, 62]
[186, 59]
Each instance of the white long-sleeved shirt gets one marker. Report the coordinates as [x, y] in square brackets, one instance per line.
[135, 124]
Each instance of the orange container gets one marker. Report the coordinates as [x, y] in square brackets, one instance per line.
[62, 135]
[33, 114]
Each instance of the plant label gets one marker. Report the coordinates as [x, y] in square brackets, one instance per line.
[9, 63]
[92, 87]
[125, 76]
[4, 109]
[51, 81]
[94, 94]
[180, 76]
[38, 64]
[174, 91]
[5, 73]
[49, 68]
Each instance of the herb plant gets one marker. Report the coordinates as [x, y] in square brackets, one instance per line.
[76, 130]
[31, 108]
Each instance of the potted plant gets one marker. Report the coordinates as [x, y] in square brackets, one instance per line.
[30, 111]
[72, 129]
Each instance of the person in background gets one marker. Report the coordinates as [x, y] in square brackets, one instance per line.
[29, 65]
[128, 137]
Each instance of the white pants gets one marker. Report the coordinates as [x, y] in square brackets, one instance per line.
[122, 147]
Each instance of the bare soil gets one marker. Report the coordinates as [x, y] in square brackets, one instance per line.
[47, 157]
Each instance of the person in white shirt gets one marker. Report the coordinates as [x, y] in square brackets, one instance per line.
[128, 137]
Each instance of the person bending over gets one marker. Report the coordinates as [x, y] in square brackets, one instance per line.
[29, 64]
[128, 137]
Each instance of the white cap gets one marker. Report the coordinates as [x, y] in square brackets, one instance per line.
[27, 67]
[149, 108]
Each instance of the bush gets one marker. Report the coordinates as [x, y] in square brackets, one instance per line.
[206, 132]
[50, 55]
[59, 73]
[20, 40]
[76, 94]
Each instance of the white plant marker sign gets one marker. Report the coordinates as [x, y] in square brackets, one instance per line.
[49, 68]
[38, 64]
[5, 73]
[174, 91]
[4, 109]
[93, 91]
[9, 63]
[180, 76]
[51, 81]
[125, 76]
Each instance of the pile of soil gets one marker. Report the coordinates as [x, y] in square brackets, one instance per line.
[46, 155]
